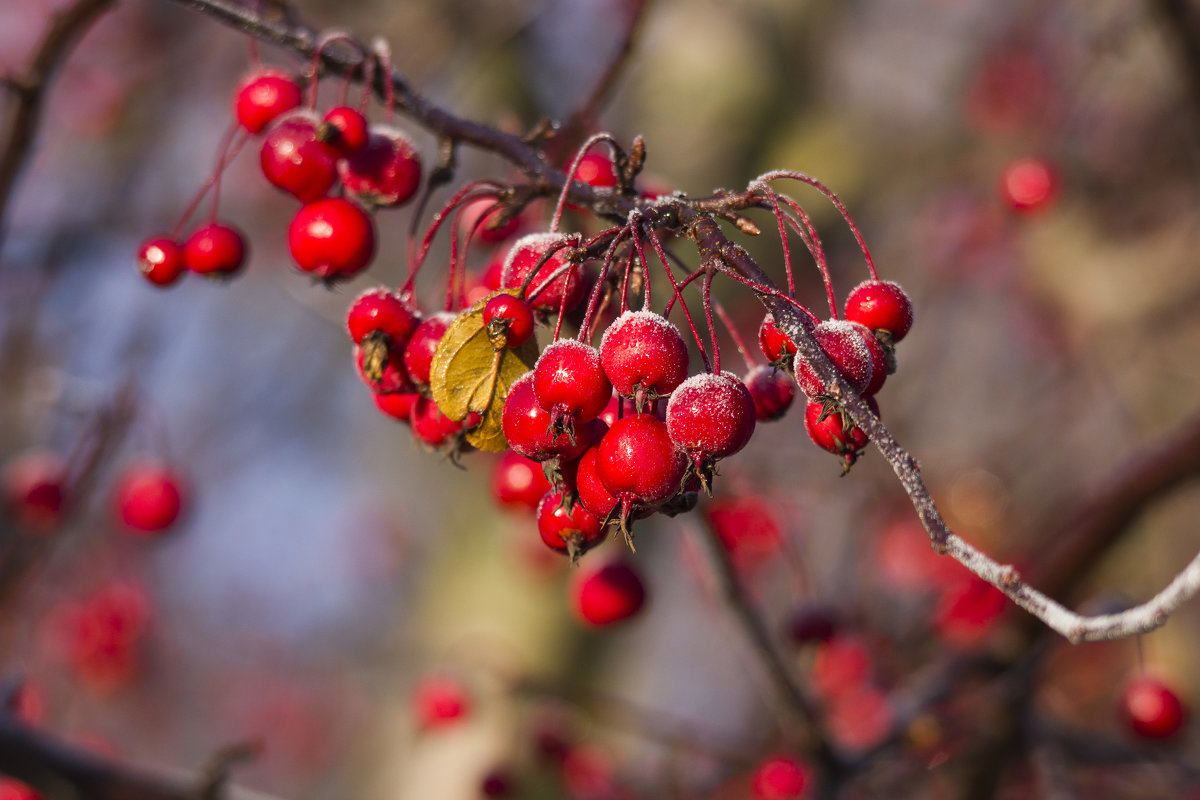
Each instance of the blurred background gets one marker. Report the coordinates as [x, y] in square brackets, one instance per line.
[328, 566]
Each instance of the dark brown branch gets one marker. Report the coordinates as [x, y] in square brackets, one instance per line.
[28, 90]
[1183, 25]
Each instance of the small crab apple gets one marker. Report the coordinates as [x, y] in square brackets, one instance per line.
[421, 346]
[527, 428]
[570, 383]
[746, 526]
[518, 482]
[710, 417]
[387, 172]
[544, 294]
[607, 594]
[639, 465]
[831, 430]
[1028, 185]
[596, 170]
[295, 160]
[149, 497]
[397, 405]
[780, 778]
[160, 259]
[845, 349]
[332, 238]
[567, 527]
[644, 356]
[775, 344]
[263, 96]
[381, 311]
[508, 319]
[486, 219]
[11, 789]
[1151, 709]
[34, 490]
[772, 391]
[431, 426]
[381, 367]
[438, 701]
[880, 365]
[345, 130]
[215, 250]
[883, 307]
[590, 489]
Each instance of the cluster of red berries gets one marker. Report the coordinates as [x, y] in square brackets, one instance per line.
[332, 236]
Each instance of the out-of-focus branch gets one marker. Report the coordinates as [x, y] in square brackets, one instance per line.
[1183, 25]
[28, 89]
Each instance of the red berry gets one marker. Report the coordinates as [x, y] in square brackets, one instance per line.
[381, 311]
[644, 355]
[264, 96]
[572, 530]
[431, 426]
[492, 273]
[879, 361]
[775, 344]
[746, 527]
[294, 159]
[480, 217]
[780, 778]
[845, 349]
[639, 464]
[11, 789]
[149, 497]
[518, 482]
[497, 783]
[881, 306]
[161, 260]
[422, 345]
[34, 486]
[710, 417]
[969, 612]
[570, 383]
[381, 368]
[608, 594]
[527, 427]
[332, 238]
[831, 430]
[103, 633]
[439, 701]
[596, 170]
[387, 172]
[345, 130]
[590, 489]
[544, 294]
[772, 391]
[216, 250]
[509, 316]
[1028, 185]
[397, 405]
[1151, 709]
[811, 624]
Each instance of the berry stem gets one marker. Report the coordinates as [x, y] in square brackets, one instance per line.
[583, 151]
[738, 342]
[641, 254]
[592, 314]
[813, 241]
[472, 191]
[706, 293]
[678, 288]
[783, 238]
[194, 203]
[833, 198]
[225, 154]
[314, 68]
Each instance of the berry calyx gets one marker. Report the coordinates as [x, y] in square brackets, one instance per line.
[263, 97]
[345, 130]
[639, 464]
[644, 356]
[570, 383]
[544, 295]
[710, 417]
[422, 345]
[381, 367]
[1028, 185]
[160, 260]
[215, 250]
[381, 311]
[567, 527]
[772, 391]
[508, 320]
[845, 349]
[386, 172]
[295, 160]
[881, 306]
[332, 238]
[608, 594]
[149, 497]
[1151, 709]
[831, 430]
[518, 482]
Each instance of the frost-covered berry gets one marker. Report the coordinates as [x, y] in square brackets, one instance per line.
[881, 306]
[546, 293]
[845, 349]
[710, 417]
[644, 356]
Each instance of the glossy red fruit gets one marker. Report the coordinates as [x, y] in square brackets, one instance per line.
[103, 633]
[527, 428]
[775, 344]
[34, 490]
[332, 238]
[544, 294]
[438, 701]
[1028, 185]
[345, 130]
[422, 345]
[481, 218]
[879, 360]
[381, 311]
[572, 531]
[387, 172]
[149, 497]
[508, 315]
[397, 405]
[596, 170]
[11, 789]
[607, 594]
[160, 260]
[263, 97]
[881, 306]
[639, 464]
[1151, 709]
[295, 160]
[643, 355]
[780, 778]
[710, 417]
[772, 391]
[431, 426]
[746, 527]
[381, 368]
[844, 347]
[831, 431]
[570, 383]
[518, 482]
[215, 250]
[590, 489]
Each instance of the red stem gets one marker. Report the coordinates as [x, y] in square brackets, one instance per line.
[746, 353]
[833, 198]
